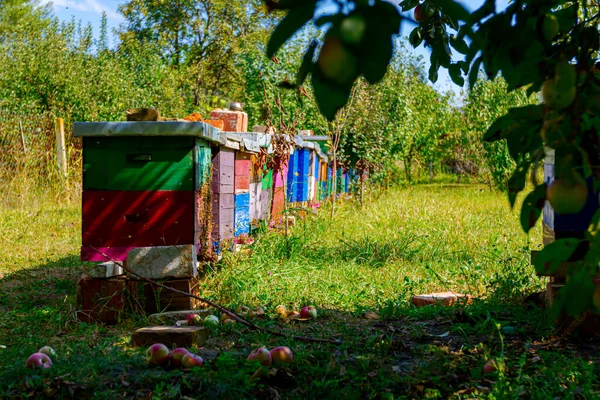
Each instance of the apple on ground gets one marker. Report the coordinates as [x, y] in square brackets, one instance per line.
[308, 312]
[47, 350]
[193, 319]
[158, 354]
[39, 360]
[490, 366]
[281, 355]
[191, 360]
[281, 310]
[211, 321]
[262, 355]
[177, 355]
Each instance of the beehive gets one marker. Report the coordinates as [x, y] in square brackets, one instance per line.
[141, 185]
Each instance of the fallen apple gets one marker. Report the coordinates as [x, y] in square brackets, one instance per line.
[490, 366]
[281, 355]
[177, 355]
[39, 360]
[281, 310]
[158, 354]
[262, 355]
[567, 197]
[47, 350]
[193, 319]
[211, 321]
[191, 360]
[293, 315]
[308, 312]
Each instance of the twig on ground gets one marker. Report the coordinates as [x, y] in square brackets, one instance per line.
[225, 310]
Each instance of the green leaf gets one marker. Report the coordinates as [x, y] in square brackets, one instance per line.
[433, 71]
[453, 10]
[474, 73]
[516, 183]
[456, 75]
[578, 291]
[415, 38]
[408, 4]
[375, 57]
[532, 207]
[459, 45]
[549, 259]
[331, 97]
[290, 24]
[307, 64]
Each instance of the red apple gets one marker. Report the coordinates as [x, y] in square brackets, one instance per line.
[39, 360]
[490, 366]
[308, 312]
[261, 355]
[193, 319]
[177, 355]
[47, 350]
[158, 354]
[191, 360]
[418, 14]
[282, 355]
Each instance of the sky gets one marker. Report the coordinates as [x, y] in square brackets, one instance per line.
[91, 11]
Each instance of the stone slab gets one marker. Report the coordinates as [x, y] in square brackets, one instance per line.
[171, 317]
[106, 270]
[445, 298]
[163, 262]
[170, 336]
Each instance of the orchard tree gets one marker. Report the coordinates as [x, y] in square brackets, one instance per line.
[541, 45]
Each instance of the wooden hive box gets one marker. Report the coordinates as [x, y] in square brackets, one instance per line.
[100, 300]
[141, 185]
[223, 207]
[157, 299]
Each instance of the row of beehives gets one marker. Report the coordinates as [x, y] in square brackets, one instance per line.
[148, 184]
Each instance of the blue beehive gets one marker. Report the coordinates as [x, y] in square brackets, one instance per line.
[242, 214]
[302, 176]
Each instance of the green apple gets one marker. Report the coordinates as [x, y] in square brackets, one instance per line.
[550, 27]
[556, 98]
[353, 29]
[567, 197]
[336, 61]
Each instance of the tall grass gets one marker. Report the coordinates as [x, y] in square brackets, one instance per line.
[406, 241]
[28, 164]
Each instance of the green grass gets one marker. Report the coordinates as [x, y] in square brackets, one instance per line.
[404, 241]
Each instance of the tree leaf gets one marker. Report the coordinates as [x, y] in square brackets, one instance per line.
[516, 183]
[553, 254]
[453, 10]
[290, 24]
[331, 97]
[456, 75]
[532, 207]
[307, 64]
[459, 45]
[474, 73]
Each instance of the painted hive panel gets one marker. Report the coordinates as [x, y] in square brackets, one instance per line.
[242, 183]
[233, 121]
[203, 160]
[265, 204]
[223, 224]
[255, 207]
[278, 204]
[302, 176]
[242, 214]
[95, 254]
[138, 218]
[292, 176]
[278, 177]
[267, 180]
[128, 163]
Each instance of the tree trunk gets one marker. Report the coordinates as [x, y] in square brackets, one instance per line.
[430, 171]
[334, 176]
[407, 169]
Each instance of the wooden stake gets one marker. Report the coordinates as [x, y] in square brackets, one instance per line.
[22, 137]
[61, 149]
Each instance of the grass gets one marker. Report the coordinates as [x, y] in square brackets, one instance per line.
[365, 262]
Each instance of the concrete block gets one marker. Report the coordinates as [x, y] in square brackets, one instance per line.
[106, 270]
[163, 262]
[170, 336]
[445, 298]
